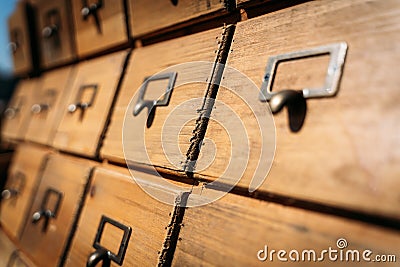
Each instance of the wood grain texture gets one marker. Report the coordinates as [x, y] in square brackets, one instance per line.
[116, 195]
[60, 47]
[54, 91]
[14, 127]
[19, 34]
[113, 27]
[168, 138]
[82, 135]
[145, 18]
[233, 229]
[6, 248]
[28, 160]
[347, 151]
[69, 176]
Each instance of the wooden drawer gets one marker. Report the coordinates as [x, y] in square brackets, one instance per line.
[104, 28]
[234, 229]
[53, 215]
[347, 151]
[16, 116]
[145, 18]
[48, 103]
[23, 178]
[89, 104]
[55, 32]
[155, 140]
[22, 42]
[116, 199]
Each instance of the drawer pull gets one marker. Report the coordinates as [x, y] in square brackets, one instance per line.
[104, 255]
[92, 9]
[45, 212]
[50, 97]
[16, 187]
[12, 112]
[53, 22]
[38, 108]
[152, 104]
[296, 100]
[16, 40]
[174, 2]
[81, 104]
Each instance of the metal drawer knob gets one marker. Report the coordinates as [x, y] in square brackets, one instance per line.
[38, 108]
[11, 112]
[45, 212]
[9, 193]
[49, 31]
[92, 9]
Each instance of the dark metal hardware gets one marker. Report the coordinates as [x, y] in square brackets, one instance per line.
[174, 2]
[102, 254]
[11, 112]
[296, 100]
[45, 212]
[16, 187]
[152, 104]
[79, 104]
[92, 9]
[53, 24]
[16, 40]
[49, 96]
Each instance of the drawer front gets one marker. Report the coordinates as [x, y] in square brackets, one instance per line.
[54, 210]
[145, 18]
[55, 30]
[89, 104]
[103, 25]
[20, 40]
[16, 116]
[153, 139]
[48, 103]
[239, 230]
[117, 207]
[19, 259]
[23, 178]
[6, 248]
[348, 143]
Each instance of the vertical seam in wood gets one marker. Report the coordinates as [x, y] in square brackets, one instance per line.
[173, 228]
[209, 99]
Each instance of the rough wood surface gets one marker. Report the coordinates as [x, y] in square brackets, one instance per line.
[82, 135]
[54, 91]
[19, 34]
[15, 127]
[347, 152]
[168, 138]
[60, 47]
[112, 22]
[69, 176]
[145, 18]
[232, 230]
[114, 194]
[28, 160]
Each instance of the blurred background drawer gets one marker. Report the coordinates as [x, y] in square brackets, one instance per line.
[117, 207]
[346, 151]
[89, 104]
[239, 230]
[16, 116]
[99, 25]
[53, 215]
[23, 44]
[147, 133]
[55, 32]
[23, 179]
[48, 105]
[145, 18]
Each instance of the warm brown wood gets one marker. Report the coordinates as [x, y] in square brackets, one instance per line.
[168, 134]
[20, 40]
[24, 173]
[347, 152]
[233, 229]
[69, 176]
[115, 194]
[145, 18]
[83, 134]
[53, 92]
[113, 27]
[6, 248]
[16, 118]
[59, 47]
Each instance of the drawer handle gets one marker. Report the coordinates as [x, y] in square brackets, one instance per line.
[16, 187]
[12, 112]
[16, 40]
[49, 96]
[45, 212]
[53, 22]
[92, 9]
[174, 2]
[38, 108]
[296, 100]
[152, 104]
[104, 255]
[81, 104]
